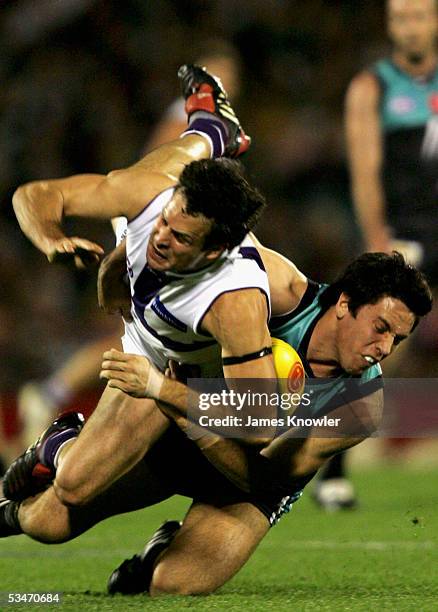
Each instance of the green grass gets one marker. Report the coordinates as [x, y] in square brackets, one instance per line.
[383, 556]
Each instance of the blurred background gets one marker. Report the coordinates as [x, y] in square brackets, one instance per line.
[87, 83]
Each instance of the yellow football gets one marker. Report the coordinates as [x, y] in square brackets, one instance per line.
[289, 367]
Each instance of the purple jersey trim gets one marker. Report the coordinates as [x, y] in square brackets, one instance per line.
[252, 253]
[174, 345]
[147, 285]
[165, 315]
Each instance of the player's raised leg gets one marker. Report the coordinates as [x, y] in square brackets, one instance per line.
[46, 519]
[116, 436]
[114, 439]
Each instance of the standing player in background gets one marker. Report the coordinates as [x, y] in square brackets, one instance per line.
[392, 140]
[40, 402]
[392, 137]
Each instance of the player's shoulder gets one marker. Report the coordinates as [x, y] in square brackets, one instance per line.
[237, 303]
[364, 83]
[364, 87]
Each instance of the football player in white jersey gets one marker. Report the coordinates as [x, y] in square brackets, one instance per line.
[197, 229]
[40, 401]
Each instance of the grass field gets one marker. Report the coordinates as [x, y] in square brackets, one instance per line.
[383, 556]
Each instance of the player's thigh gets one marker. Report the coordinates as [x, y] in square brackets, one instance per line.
[212, 545]
[140, 488]
[114, 439]
[46, 519]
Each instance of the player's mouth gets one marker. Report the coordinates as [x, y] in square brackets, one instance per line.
[370, 360]
[156, 255]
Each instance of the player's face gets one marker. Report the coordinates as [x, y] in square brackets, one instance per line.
[372, 334]
[413, 27]
[177, 240]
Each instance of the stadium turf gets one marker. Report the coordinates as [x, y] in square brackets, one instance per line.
[383, 556]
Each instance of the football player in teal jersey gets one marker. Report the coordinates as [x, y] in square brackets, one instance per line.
[342, 332]
[392, 137]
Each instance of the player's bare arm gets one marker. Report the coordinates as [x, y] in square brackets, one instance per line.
[294, 456]
[365, 152]
[41, 205]
[287, 284]
[300, 454]
[238, 321]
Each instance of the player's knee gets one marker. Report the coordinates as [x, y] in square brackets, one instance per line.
[70, 492]
[168, 582]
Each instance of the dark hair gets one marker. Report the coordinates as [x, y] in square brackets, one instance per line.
[217, 189]
[373, 276]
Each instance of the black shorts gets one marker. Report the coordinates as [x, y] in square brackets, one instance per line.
[185, 470]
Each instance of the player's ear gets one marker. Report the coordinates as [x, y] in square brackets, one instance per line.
[342, 306]
[214, 253]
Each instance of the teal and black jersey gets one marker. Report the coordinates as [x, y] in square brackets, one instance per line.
[409, 119]
[326, 394]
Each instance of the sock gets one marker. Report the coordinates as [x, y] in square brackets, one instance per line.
[9, 524]
[335, 468]
[210, 126]
[48, 453]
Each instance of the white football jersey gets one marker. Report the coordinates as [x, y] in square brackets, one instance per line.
[168, 308]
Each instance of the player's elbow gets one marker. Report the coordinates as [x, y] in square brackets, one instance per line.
[258, 440]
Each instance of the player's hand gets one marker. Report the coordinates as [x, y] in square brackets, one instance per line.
[83, 253]
[132, 374]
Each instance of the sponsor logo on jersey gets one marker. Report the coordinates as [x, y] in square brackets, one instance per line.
[433, 102]
[295, 380]
[401, 105]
